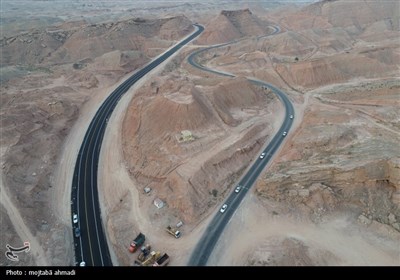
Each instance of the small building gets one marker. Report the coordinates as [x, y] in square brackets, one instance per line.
[147, 190]
[158, 203]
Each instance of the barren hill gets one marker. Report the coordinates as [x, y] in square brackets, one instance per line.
[337, 172]
[311, 54]
[222, 118]
[72, 43]
[357, 15]
[230, 25]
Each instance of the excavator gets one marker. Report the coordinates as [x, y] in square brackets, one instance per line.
[152, 258]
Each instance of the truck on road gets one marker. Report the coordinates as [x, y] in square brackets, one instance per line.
[137, 242]
[162, 261]
[173, 231]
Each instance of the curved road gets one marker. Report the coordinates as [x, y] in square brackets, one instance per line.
[214, 230]
[91, 244]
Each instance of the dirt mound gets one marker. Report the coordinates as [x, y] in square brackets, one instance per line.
[284, 252]
[230, 25]
[162, 115]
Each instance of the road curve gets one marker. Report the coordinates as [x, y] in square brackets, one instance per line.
[207, 242]
[91, 245]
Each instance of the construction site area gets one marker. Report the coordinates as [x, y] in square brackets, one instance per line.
[148, 256]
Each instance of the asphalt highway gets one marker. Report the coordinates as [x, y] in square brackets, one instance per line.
[213, 232]
[91, 244]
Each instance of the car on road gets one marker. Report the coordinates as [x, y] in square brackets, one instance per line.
[262, 156]
[77, 232]
[75, 218]
[82, 263]
[223, 208]
[284, 133]
[238, 189]
[291, 116]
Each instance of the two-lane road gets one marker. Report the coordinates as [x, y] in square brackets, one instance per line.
[91, 244]
[215, 228]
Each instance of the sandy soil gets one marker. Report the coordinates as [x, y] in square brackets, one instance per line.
[20, 227]
[262, 234]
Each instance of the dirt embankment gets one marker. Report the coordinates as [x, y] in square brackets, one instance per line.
[231, 25]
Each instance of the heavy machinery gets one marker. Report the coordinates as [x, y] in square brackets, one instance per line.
[138, 241]
[173, 231]
[162, 261]
[145, 250]
[151, 259]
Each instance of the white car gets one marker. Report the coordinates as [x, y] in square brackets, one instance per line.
[291, 116]
[223, 208]
[82, 263]
[284, 133]
[237, 189]
[75, 218]
[262, 156]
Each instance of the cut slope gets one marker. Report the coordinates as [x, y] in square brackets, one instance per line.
[230, 25]
[236, 94]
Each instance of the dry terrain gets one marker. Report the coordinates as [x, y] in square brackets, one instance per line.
[331, 196]
[54, 74]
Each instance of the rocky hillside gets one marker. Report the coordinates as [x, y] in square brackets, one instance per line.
[227, 134]
[308, 56]
[230, 25]
[357, 16]
[71, 44]
[344, 156]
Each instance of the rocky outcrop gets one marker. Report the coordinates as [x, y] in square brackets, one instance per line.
[369, 189]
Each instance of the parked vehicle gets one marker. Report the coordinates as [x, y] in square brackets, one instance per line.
[137, 242]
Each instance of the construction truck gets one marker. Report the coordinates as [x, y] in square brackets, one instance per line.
[151, 259]
[145, 250]
[138, 241]
[162, 261]
[173, 231]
